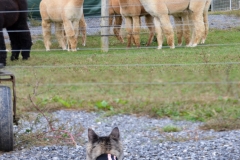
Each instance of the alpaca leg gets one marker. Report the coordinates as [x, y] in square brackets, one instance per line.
[186, 29]
[198, 30]
[205, 20]
[20, 41]
[76, 31]
[70, 33]
[206, 27]
[149, 23]
[15, 45]
[136, 30]
[46, 28]
[24, 35]
[83, 30]
[3, 53]
[128, 25]
[117, 27]
[158, 29]
[26, 43]
[111, 16]
[179, 28]
[60, 35]
[167, 30]
[196, 17]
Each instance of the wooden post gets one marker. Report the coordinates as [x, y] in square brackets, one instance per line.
[212, 9]
[104, 25]
[230, 5]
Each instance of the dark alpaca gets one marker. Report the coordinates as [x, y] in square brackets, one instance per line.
[13, 17]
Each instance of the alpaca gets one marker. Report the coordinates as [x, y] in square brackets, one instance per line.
[13, 17]
[66, 13]
[161, 9]
[131, 10]
[183, 27]
[114, 12]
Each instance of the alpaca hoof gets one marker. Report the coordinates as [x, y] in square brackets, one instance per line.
[25, 58]
[13, 58]
[159, 47]
[203, 41]
[179, 44]
[194, 45]
[172, 47]
[189, 45]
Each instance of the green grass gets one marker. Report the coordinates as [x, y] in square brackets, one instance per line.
[171, 128]
[197, 84]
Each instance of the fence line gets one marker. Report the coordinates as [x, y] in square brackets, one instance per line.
[126, 65]
[132, 48]
[90, 28]
[134, 83]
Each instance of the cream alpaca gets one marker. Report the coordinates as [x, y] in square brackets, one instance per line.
[132, 10]
[64, 13]
[183, 26]
[161, 9]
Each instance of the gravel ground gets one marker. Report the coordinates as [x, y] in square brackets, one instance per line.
[141, 139]
[93, 24]
[140, 135]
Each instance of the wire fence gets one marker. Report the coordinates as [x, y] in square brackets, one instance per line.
[93, 29]
[225, 5]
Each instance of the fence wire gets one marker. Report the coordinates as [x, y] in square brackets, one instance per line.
[94, 30]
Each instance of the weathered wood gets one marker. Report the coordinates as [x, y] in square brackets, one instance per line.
[104, 25]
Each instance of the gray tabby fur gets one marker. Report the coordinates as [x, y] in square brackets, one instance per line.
[98, 145]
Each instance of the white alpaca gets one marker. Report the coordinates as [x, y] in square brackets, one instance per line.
[183, 26]
[64, 13]
[160, 10]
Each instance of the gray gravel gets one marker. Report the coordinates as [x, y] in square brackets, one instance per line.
[141, 138]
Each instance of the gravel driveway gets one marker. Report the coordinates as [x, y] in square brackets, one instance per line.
[141, 138]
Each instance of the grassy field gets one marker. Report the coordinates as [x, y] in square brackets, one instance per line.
[197, 84]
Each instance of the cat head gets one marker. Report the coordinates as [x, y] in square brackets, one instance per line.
[98, 145]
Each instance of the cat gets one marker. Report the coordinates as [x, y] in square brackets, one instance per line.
[102, 147]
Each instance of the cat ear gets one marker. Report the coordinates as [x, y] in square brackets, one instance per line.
[115, 133]
[92, 136]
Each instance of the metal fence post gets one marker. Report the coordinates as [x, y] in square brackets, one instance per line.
[104, 25]
[212, 5]
[230, 5]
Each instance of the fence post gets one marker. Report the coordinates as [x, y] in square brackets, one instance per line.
[104, 25]
[212, 5]
[230, 5]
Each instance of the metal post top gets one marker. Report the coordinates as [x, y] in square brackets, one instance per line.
[1, 65]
